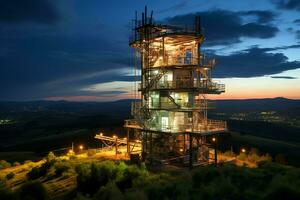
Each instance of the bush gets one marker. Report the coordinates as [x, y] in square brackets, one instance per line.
[229, 153]
[91, 152]
[4, 164]
[253, 157]
[109, 192]
[50, 157]
[282, 192]
[129, 174]
[72, 157]
[280, 158]
[10, 175]
[91, 177]
[32, 190]
[5, 193]
[16, 164]
[27, 161]
[60, 168]
[242, 156]
[38, 172]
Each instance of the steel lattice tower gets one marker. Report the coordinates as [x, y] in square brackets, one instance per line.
[170, 118]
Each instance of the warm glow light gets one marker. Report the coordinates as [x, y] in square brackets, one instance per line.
[181, 150]
[213, 139]
[71, 151]
[81, 147]
[137, 141]
[115, 137]
[101, 134]
[243, 150]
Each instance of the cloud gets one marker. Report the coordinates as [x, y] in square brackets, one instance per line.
[284, 77]
[39, 11]
[287, 4]
[182, 4]
[298, 34]
[253, 62]
[297, 21]
[227, 27]
[263, 16]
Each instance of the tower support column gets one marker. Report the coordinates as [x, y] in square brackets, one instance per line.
[191, 151]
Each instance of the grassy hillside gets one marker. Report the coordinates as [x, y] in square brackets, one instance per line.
[94, 178]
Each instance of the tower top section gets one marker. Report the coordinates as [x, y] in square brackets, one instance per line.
[145, 28]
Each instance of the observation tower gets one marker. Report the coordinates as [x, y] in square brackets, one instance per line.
[170, 109]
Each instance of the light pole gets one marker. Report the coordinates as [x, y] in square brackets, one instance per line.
[116, 141]
[214, 140]
[81, 148]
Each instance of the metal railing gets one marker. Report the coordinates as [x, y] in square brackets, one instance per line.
[182, 105]
[187, 84]
[131, 123]
[175, 61]
[202, 127]
[197, 104]
[164, 31]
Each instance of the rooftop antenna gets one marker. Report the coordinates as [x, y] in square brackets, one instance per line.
[135, 25]
[199, 21]
[196, 23]
[151, 17]
[145, 14]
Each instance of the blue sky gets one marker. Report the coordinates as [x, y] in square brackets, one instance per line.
[78, 50]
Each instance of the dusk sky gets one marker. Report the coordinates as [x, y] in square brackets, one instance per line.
[78, 50]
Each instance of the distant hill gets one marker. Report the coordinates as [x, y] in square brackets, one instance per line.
[65, 106]
[277, 104]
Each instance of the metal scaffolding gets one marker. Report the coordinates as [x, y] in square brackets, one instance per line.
[170, 117]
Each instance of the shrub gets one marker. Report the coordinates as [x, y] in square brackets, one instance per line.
[229, 154]
[16, 164]
[282, 192]
[242, 156]
[60, 168]
[280, 158]
[27, 161]
[80, 196]
[253, 157]
[129, 174]
[72, 157]
[6, 194]
[38, 172]
[32, 190]
[91, 152]
[50, 157]
[10, 175]
[4, 164]
[109, 192]
[91, 177]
